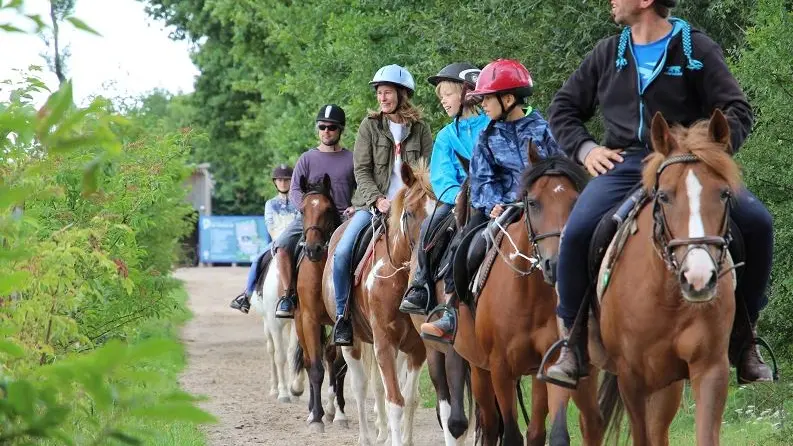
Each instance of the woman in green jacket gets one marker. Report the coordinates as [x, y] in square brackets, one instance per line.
[393, 135]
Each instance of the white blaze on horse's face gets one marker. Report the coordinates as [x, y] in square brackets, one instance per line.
[558, 189]
[698, 267]
[314, 202]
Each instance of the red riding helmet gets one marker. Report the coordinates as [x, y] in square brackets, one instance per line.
[505, 76]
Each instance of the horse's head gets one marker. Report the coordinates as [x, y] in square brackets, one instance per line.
[692, 177]
[320, 217]
[551, 187]
[414, 202]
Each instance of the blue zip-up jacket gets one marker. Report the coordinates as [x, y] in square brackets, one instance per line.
[457, 138]
[690, 81]
[501, 156]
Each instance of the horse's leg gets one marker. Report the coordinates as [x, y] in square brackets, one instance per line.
[709, 383]
[331, 354]
[535, 433]
[276, 331]
[338, 370]
[298, 384]
[316, 371]
[270, 348]
[415, 359]
[381, 418]
[359, 374]
[436, 364]
[386, 355]
[457, 377]
[664, 404]
[487, 417]
[589, 419]
[634, 396]
[504, 386]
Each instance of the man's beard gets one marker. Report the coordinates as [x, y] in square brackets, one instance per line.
[332, 142]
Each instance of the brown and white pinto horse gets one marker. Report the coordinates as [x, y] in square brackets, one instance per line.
[374, 308]
[667, 309]
[515, 320]
[320, 219]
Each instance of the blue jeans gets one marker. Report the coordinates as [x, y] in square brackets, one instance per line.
[342, 258]
[606, 191]
[253, 273]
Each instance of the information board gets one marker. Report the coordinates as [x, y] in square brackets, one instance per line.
[231, 239]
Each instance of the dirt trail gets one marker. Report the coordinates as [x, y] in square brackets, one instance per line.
[227, 360]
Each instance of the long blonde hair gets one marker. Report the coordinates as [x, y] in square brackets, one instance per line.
[407, 113]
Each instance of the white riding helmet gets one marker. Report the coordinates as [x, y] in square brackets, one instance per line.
[394, 74]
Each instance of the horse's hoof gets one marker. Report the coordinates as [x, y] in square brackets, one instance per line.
[344, 424]
[328, 417]
[296, 392]
[317, 427]
[284, 399]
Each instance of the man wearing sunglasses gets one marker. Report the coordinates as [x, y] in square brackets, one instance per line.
[327, 158]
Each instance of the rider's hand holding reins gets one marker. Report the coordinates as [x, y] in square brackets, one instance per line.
[599, 160]
[497, 210]
[383, 205]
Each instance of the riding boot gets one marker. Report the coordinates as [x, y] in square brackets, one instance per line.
[751, 367]
[242, 303]
[342, 332]
[565, 371]
[417, 297]
[285, 308]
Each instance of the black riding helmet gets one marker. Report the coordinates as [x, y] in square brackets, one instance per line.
[332, 113]
[457, 72]
[282, 171]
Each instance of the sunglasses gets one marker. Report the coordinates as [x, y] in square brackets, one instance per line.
[331, 127]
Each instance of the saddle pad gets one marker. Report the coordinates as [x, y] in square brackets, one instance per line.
[483, 271]
[367, 255]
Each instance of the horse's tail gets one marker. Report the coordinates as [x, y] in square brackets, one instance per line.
[298, 363]
[478, 431]
[611, 407]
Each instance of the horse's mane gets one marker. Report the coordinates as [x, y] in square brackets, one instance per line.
[555, 165]
[696, 140]
[407, 196]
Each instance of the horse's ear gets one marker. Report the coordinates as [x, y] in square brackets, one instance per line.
[659, 130]
[303, 184]
[326, 182]
[408, 177]
[719, 128]
[463, 161]
[534, 153]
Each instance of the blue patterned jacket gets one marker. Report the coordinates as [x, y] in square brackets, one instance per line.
[501, 156]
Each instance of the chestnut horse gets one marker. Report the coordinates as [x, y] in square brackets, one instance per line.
[374, 308]
[668, 306]
[320, 219]
[515, 321]
[449, 372]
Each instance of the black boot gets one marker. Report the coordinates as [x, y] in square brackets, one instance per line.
[750, 367]
[342, 332]
[242, 303]
[416, 300]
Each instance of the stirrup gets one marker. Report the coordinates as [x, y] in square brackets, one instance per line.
[426, 310]
[443, 308]
[554, 348]
[774, 369]
[278, 305]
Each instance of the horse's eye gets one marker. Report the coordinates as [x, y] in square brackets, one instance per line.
[663, 197]
[533, 204]
[726, 195]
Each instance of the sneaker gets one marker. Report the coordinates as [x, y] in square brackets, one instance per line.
[285, 309]
[415, 301]
[242, 303]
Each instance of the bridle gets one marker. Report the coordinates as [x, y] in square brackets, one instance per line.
[323, 232]
[666, 242]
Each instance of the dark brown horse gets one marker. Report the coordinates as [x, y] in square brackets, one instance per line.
[374, 309]
[669, 300]
[515, 321]
[320, 219]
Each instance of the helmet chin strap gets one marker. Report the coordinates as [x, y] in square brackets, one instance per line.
[506, 111]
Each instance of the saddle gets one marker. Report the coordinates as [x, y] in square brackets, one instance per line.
[476, 254]
[364, 246]
[438, 247]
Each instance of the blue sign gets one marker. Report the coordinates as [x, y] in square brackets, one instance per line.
[231, 239]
